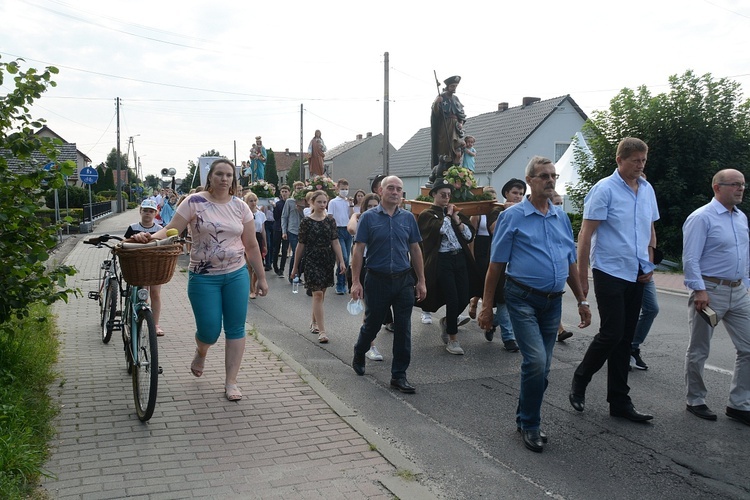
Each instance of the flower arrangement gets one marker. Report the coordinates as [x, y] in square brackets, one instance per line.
[463, 181]
[318, 183]
[262, 189]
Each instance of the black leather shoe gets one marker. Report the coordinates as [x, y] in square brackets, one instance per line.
[577, 401]
[630, 413]
[701, 411]
[403, 385]
[358, 363]
[533, 440]
[739, 415]
[490, 334]
[542, 434]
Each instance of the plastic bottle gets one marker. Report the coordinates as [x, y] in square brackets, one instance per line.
[295, 285]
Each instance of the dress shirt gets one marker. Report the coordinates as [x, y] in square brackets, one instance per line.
[449, 242]
[619, 247]
[715, 244]
[388, 239]
[339, 208]
[538, 247]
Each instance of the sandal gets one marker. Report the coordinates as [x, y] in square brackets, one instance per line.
[159, 331]
[314, 329]
[252, 295]
[196, 367]
[322, 338]
[473, 309]
[233, 392]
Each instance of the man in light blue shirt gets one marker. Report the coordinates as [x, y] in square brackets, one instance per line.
[715, 255]
[617, 234]
[533, 255]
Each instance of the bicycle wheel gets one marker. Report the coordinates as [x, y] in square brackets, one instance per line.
[109, 311]
[145, 366]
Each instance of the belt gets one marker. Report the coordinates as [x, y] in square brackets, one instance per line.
[719, 281]
[551, 295]
[392, 276]
[453, 252]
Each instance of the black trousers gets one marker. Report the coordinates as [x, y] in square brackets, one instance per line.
[453, 280]
[619, 304]
[279, 243]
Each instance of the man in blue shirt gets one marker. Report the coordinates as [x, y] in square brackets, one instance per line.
[617, 231]
[533, 255]
[392, 237]
[715, 255]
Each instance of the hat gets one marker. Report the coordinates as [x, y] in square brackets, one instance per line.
[149, 204]
[377, 180]
[511, 184]
[453, 79]
[441, 183]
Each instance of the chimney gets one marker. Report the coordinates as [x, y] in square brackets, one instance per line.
[287, 151]
[369, 134]
[359, 136]
[528, 101]
[502, 107]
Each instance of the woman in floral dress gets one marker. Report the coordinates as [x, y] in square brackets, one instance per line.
[319, 243]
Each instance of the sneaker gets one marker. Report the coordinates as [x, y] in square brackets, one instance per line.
[636, 361]
[374, 354]
[426, 318]
[444, 331]
[462, 320]
[490, 334]
[340, 291]
[390, 327]
[511, 346]
[454, 348]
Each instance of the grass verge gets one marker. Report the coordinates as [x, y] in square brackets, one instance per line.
[28, 351]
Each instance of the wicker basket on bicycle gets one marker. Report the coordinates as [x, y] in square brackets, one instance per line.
[149, 265]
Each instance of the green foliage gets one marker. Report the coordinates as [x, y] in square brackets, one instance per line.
[106, 180]
[700, 126]
[152, 182]
[271, 175]
[112, 195]
[77, 197]
[24, 241]
[28, 349]
[293, 175]
[193, 178]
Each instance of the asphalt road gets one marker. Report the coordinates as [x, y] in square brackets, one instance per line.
[460, 425]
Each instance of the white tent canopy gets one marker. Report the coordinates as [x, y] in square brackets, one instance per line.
[567, 167]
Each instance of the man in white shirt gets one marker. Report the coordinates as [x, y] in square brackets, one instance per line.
[340, 209]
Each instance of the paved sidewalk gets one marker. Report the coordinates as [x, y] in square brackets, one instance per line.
[288, 438]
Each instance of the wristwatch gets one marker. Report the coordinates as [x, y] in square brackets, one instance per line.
[583, 303]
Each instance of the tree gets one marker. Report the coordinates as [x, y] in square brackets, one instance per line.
[152, 182]
[24, 242]
[271, 175]
[293, 175]
[99, 185]
[700, 126]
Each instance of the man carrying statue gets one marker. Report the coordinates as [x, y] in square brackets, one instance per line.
[447, 129]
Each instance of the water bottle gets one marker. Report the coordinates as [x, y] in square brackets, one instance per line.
[295, 284]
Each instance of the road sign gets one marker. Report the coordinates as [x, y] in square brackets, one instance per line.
[89, 175]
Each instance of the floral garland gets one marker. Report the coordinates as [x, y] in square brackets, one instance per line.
[317, 183]
[262, 189]
[463, 181]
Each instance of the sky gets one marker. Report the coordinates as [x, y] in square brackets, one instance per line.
[196, 75]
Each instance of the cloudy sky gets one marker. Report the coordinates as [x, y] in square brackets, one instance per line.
[198, 75]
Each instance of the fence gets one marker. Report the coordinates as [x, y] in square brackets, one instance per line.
[93, 211]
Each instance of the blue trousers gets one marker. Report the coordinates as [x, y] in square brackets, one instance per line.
[345, 240]
[217, 299]
[649, 310]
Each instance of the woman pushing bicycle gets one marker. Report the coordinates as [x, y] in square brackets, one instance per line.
[223, 245]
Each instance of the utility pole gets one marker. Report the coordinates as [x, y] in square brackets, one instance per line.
[301, 145]
[120, 207]
[386, 150]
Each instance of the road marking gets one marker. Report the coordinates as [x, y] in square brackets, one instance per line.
[720, 370]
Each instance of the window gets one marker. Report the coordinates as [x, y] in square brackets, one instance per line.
[560, 148]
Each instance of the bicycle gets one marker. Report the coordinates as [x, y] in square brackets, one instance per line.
[136, 319]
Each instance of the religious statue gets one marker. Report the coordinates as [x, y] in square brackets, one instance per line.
[258, 160]
[446, 129]
[317, 151]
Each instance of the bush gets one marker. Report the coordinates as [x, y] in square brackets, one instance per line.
[111, 195]
[77, 197]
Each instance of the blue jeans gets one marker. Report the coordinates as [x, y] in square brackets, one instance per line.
[381, 293]
[345, 240]
[535, 320]
[293, 239]
[502, 319]
[649, 310]
[217, 299]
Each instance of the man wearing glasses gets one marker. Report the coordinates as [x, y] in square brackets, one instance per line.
[617, 235]
[533, 255]
[715, 258]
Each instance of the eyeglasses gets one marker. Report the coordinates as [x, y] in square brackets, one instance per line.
[735, 185]
[546, 177]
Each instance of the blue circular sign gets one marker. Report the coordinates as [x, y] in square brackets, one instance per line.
[89, 175]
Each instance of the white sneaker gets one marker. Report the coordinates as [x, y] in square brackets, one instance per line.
[373, 354]
[454, 348]
[462, 320]
[426, 318]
